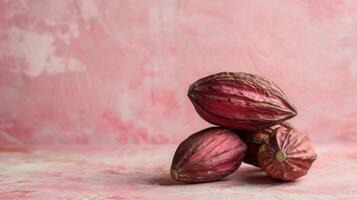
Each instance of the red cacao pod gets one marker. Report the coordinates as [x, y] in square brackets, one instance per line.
[208, 155]
[288, 155]
[254, 139]
[240, 101]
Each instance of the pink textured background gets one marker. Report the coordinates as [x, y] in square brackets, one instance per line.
[114, 75]
[108, 72]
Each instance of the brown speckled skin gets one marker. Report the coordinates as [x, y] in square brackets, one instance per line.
[208, 155]
[298, 150]
[240, 101]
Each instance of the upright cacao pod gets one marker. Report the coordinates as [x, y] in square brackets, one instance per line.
[240, 101]
[208, 155]
[254, 139]
[288, 155]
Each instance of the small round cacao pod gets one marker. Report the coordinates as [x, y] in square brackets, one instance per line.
[288, 155]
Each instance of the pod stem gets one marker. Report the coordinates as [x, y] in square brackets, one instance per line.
[174, 174]
[280, 156]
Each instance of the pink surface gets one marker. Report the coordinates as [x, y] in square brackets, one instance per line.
[114, 75]
[141, 172]
[93, 72]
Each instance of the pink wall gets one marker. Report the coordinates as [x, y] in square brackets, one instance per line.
[118, 71]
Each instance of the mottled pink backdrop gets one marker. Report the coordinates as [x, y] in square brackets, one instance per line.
[88, 72]
[115, 74]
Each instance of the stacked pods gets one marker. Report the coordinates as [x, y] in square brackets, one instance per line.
[250, 112]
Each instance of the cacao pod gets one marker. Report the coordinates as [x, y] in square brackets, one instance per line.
[240, 101]
[254, 139]
[288, 155]
[208, 155]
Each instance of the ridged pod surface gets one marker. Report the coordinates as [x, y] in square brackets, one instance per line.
[208, 155]
[240, 101]
[288, 155]
[254, 139]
